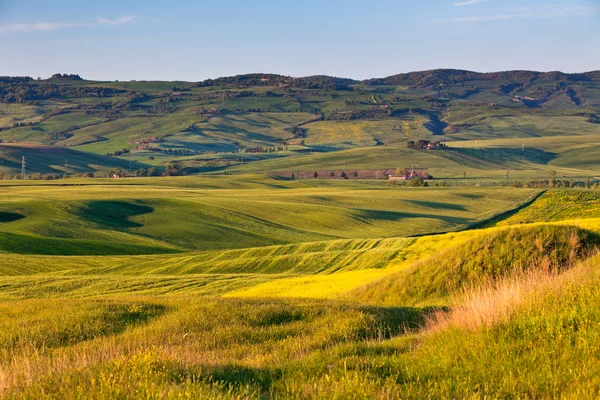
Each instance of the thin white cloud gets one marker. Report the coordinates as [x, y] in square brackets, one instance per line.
[118, 21]
[52, 26]
[526, 13]
[468, 3]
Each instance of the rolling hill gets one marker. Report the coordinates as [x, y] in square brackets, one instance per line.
[162, 288]
[270, 122]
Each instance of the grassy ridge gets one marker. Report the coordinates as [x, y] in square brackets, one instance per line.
[482, 259]
[559, 206]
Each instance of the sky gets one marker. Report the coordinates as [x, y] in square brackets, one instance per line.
[196, 40]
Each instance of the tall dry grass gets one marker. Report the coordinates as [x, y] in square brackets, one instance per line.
[496, 301]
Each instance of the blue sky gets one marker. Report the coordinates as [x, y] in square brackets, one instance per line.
[195, 40]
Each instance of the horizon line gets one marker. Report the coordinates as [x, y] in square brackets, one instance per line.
[308, 76]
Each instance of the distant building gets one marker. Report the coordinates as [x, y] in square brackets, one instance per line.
[409, 175]
[425, 145]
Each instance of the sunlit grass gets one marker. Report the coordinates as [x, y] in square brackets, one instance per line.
[505, 311]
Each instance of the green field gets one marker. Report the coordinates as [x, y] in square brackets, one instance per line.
[229, 277]
[226, 217]
[251, 287]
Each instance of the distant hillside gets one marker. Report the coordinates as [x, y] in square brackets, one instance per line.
[252, 122]
[454, 76]
[308, 82]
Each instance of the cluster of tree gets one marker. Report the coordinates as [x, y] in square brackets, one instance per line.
[297, 132]
[254, 150]
[594, 118]
[332, 174]
[15, 79]
[61, 135]
[174, 168]
[183, 152]
[211, 111]
[20, 124]
[557, 183]
[425, 145]
[372, 113]
[46, 177]
[26, 92]
[118, 153]
[142, 172]
[147, 172]
[323, 82]
[249, 93]
[418, 181]
[70, 77]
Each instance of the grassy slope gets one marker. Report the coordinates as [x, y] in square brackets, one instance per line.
[59, 160]
[518, 334]
[538, 346]
[331, 135]
[142, 220]
[485, 258]
[205, 219]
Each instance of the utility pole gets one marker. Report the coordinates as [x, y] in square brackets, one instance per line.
[23, 168]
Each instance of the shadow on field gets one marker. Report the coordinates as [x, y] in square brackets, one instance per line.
[437, 205]
[381, 215]
[10, 216]
[240, 376]
[394, 321]
[113, 214]
[80, 322]
[510, 154]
